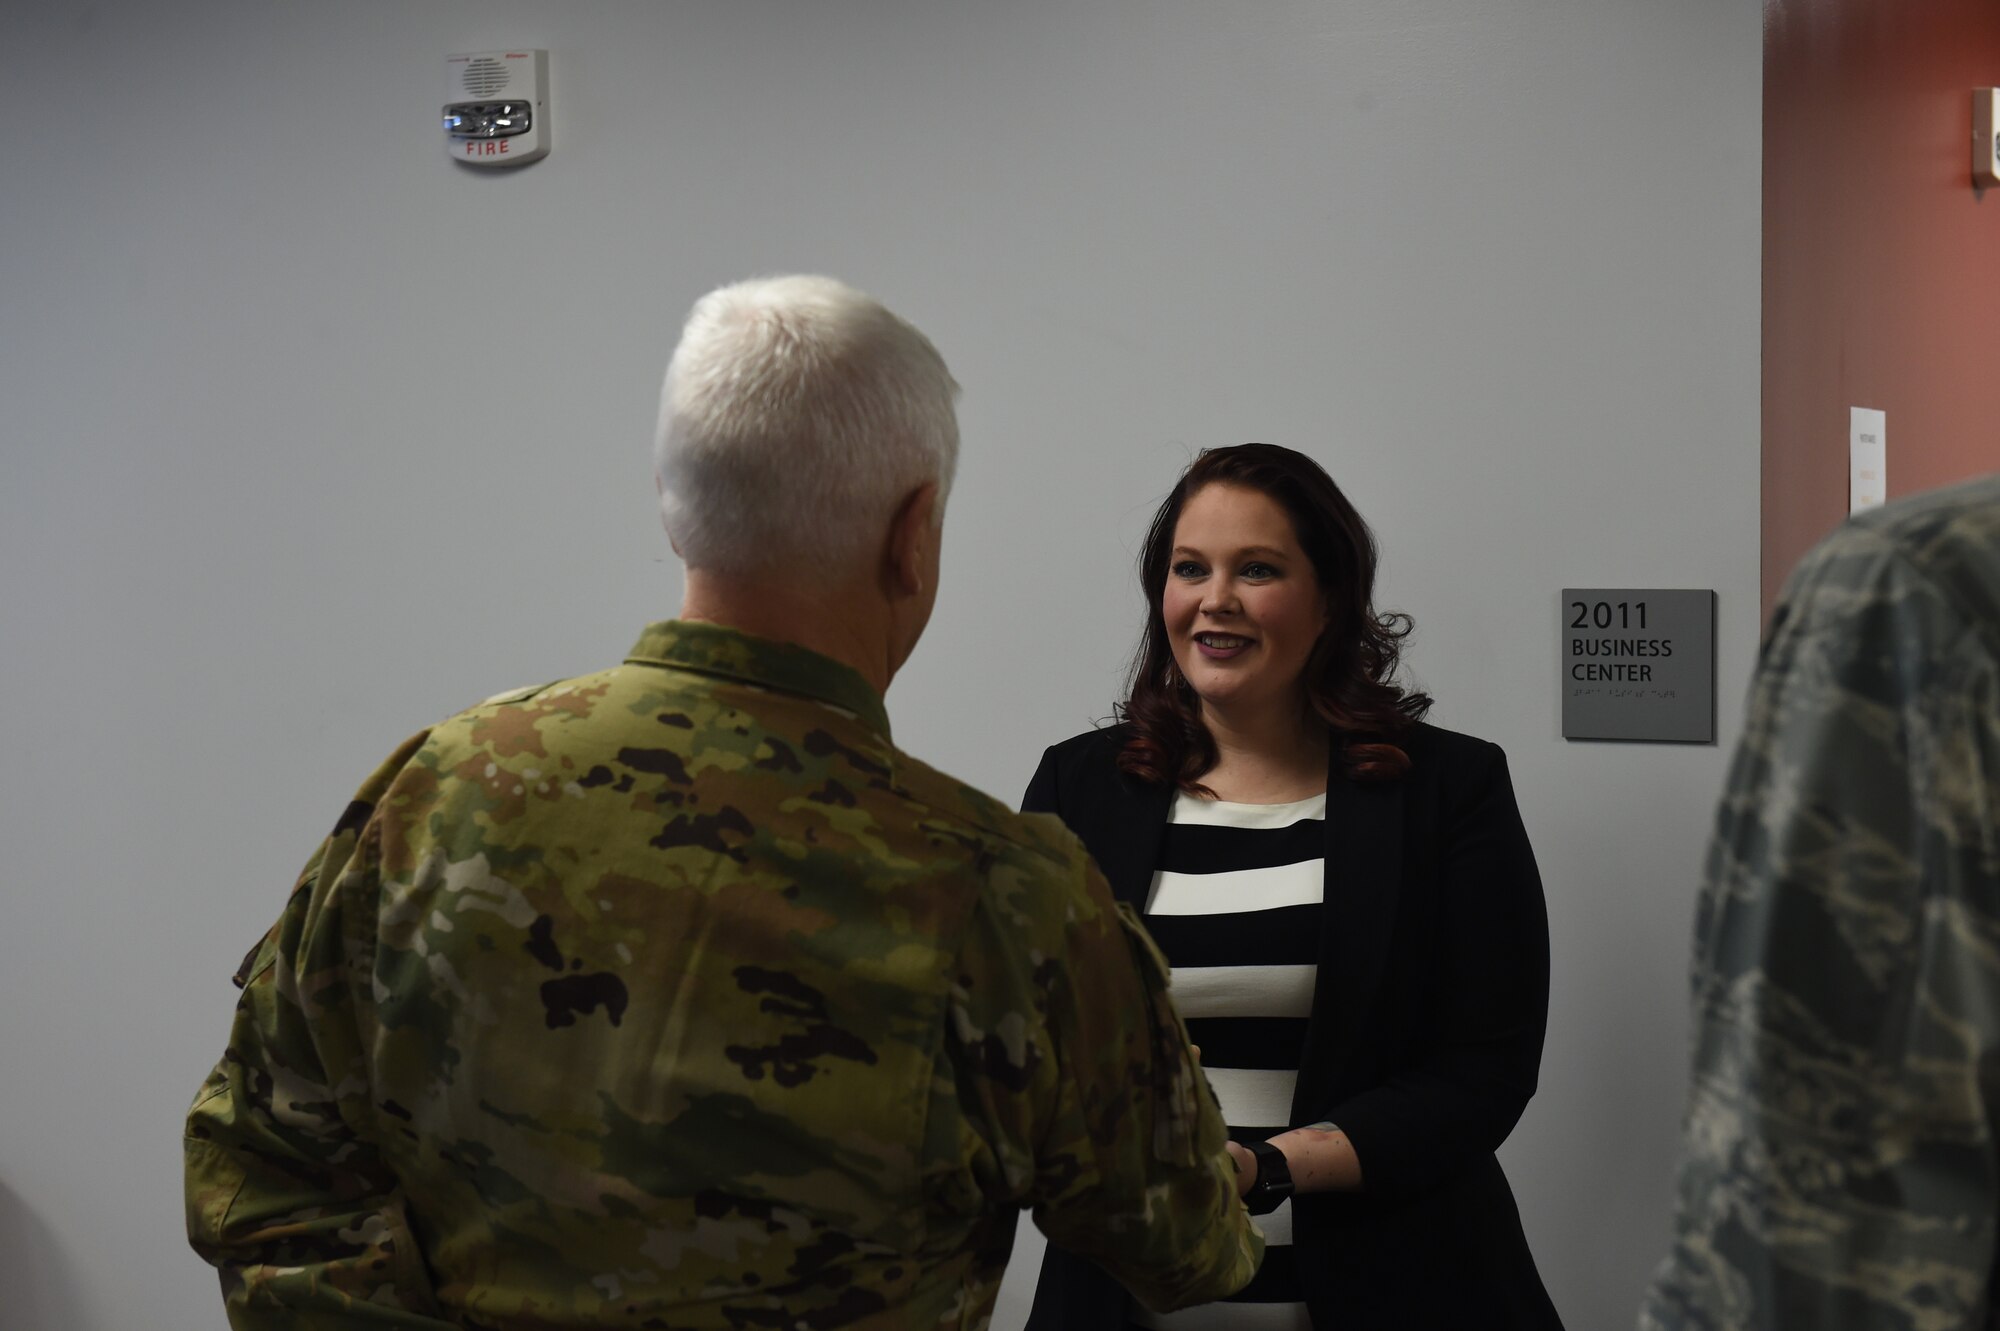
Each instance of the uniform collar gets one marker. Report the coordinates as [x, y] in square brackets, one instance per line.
[715, 650]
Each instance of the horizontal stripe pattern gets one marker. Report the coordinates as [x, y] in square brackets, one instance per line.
[1276, 1281]
[1272, 888]
[1264, 1044]
[1247, 817]
[1252, 1095]
[1288, 937]
[1245, 991]
[1271, 1300]
[1277, 1226]
[1237, 906]
[1232, 850]
[1227, 1317]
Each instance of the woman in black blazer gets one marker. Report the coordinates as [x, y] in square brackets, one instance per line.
[1265, 678]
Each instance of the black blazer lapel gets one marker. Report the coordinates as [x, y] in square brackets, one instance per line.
[1121, 821]
[1124, 835]
[1364, 854]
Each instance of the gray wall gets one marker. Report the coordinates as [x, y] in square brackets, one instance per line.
[269, 503]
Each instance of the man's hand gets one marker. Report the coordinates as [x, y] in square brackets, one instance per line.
[1246, 1168]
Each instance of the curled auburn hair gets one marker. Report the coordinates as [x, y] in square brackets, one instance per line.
[1349, 677]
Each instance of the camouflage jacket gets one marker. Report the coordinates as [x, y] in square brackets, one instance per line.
[676, 996]
[1839, 1167]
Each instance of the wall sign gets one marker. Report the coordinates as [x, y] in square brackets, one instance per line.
[1638, 664]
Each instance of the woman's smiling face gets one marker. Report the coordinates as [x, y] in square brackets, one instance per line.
[1242, 606]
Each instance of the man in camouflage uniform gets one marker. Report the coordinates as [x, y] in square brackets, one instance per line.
[1840, 1166]
[676, 995]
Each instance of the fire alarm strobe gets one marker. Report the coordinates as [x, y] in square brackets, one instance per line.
[498, 114]
[1985, 137]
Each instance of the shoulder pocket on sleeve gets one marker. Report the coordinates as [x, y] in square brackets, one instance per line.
[1177, 1087]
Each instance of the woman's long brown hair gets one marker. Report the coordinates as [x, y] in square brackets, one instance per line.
[1350, 675]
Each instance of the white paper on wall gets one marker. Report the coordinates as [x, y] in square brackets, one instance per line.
[1867, 458]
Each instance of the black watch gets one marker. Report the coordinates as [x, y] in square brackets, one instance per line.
[1274, 1179]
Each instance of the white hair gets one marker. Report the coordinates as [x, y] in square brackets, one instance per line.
[797, 414]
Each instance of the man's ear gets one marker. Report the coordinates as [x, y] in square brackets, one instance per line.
[909, 536]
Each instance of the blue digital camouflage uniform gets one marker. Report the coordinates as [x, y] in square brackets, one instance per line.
[676, 996]
[1839, 1167]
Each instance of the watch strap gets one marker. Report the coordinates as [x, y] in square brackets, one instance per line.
[1274, 1179]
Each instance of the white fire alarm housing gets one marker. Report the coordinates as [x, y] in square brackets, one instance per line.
[497, 112]
[1985, 137]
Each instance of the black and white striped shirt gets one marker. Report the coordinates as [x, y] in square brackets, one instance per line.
[1235, 906]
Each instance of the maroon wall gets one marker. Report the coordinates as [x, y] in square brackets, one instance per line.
[1881, 262]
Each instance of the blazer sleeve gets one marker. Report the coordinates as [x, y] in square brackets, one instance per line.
[1461, 1097]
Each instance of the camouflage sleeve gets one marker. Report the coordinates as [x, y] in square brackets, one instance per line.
[1838, 1165]
[1081, 1087]
[285, 1194]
